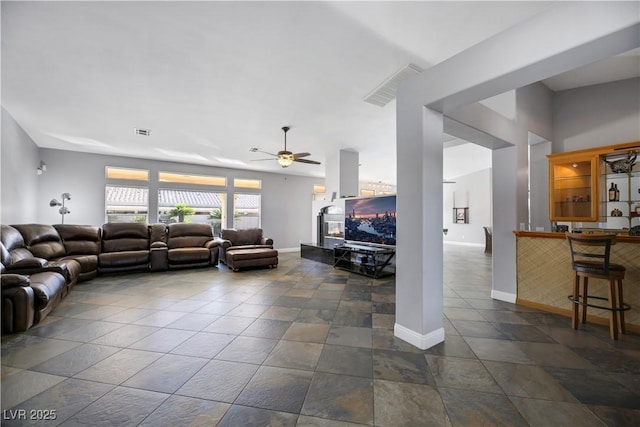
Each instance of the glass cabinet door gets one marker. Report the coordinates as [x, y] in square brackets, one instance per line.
[573, 188]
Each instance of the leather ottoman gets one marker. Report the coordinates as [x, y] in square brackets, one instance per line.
[258, 257]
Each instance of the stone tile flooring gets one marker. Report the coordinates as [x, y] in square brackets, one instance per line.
[308, 345]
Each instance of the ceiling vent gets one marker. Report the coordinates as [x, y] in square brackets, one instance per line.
[143, 132]
[386, 92]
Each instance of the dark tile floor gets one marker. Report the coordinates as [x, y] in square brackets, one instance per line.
[309, 345]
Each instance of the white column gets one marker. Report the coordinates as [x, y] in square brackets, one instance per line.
[419, 276]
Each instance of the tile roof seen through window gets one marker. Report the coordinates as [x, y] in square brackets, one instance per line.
[136, 196]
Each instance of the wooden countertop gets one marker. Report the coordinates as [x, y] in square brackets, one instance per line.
[555, 235]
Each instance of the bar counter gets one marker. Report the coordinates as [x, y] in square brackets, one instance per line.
[545, 277]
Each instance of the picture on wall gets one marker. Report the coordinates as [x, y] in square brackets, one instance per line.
[461, 215]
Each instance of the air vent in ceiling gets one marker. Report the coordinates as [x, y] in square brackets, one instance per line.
[386, 92]
[143, 132]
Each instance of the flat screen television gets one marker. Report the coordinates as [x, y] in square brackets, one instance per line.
[370, 220]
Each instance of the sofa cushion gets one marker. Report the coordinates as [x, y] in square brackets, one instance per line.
[247, 247]
[123, 259]
[189, 255]
[119, 237]
[47, 287]
[14, 244]
[188, 235]
[80, 239]
[42, 240]
[249, 236]
[255, 253]
[87, 263]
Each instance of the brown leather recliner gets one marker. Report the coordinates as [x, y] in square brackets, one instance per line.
[35, 248]
[191, 245]
[27, 299]
[81, 243]
[125, 247]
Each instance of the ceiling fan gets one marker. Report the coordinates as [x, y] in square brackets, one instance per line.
[285, 158]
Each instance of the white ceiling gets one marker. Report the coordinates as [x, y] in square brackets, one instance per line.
[213, 79]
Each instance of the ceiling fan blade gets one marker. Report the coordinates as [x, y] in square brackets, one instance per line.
[266, 152]
[261, 160]
[298, 155]
[311, 162]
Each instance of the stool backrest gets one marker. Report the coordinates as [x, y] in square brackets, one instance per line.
[590, 253]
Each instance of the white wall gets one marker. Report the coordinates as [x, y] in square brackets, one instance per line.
[286, 199]
[539, 185]
[596, 115]
[19, 161]
[477, 185]
[534, 105]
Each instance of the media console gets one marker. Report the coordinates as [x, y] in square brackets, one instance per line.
[372, 261]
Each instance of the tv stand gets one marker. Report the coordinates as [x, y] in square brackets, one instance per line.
[367, 260]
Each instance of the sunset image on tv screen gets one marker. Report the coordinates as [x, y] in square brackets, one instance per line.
[371, 220]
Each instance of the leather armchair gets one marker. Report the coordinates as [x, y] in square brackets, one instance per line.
[238, 240]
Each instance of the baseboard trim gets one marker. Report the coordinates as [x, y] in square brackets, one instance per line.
[283, 250]
[503, 296]
[423, 342]
[455, 242]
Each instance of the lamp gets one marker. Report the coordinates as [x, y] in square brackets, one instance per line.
[285, 160]
[41, 168]
[63, 209]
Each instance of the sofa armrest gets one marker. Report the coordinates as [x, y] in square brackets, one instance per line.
[158, 245]
[212, 244]
[14, 281]
[38, 265]
[223, 243]
[158, 257]
[18, 306]
[25, 263]
[266, 241]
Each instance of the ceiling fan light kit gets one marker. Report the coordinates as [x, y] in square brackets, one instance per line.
[285, 158]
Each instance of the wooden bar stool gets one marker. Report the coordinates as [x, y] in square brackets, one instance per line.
[590, 254]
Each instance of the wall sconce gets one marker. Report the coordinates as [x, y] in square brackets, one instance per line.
[63, 209]
[42, 168]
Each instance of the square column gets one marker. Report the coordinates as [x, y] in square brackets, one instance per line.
[419, 253]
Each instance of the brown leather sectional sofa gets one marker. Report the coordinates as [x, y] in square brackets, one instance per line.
[41, 263]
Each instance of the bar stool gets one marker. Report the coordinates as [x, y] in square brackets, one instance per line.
[590, 255]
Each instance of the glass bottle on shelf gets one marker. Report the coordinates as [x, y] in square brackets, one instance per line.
[612, 193]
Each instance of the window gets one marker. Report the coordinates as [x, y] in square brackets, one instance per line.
[126, 204]
[364, 192]
[246, 210]
[183, 178]
[123, 173]
[200, 207]
[247, 183]
[319, 192]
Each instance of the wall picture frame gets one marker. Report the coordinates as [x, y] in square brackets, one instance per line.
[461, 215]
